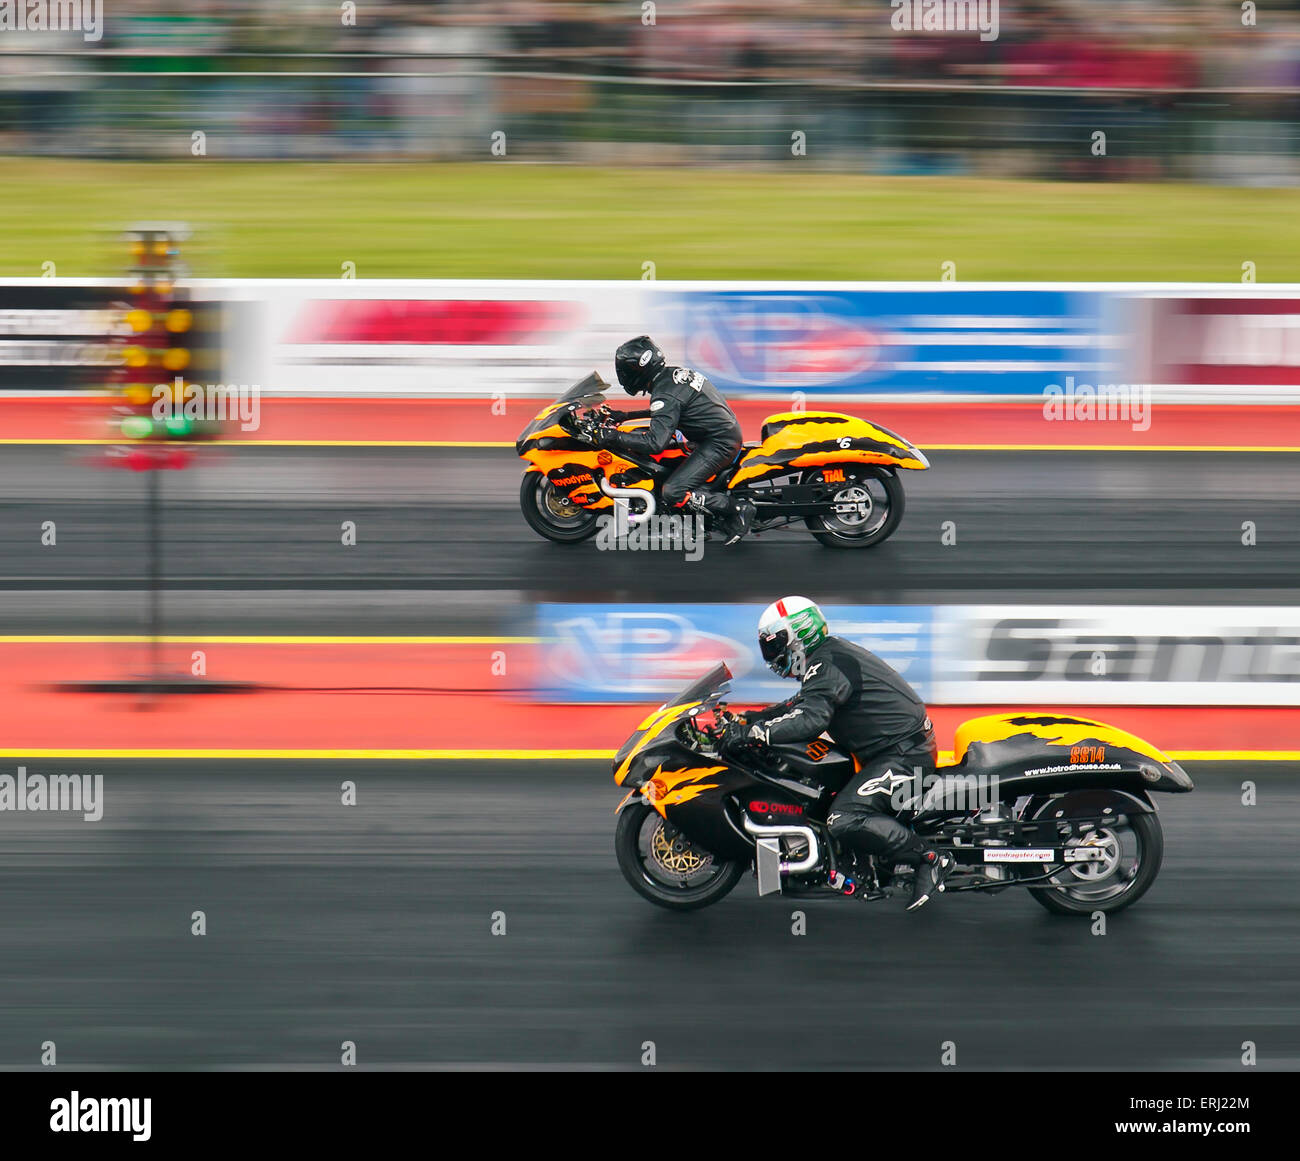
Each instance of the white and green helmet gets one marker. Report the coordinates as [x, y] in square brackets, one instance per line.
[788, 631]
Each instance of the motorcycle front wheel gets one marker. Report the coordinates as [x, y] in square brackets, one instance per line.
[665, 868]
[551, 514]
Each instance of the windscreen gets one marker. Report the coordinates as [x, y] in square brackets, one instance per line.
[593, 385]
[701, 689]
[591, 388]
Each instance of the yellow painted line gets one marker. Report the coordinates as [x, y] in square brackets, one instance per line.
[468, 443]
[320, 755]
[521, 755]
[34, 442]
[139, 639]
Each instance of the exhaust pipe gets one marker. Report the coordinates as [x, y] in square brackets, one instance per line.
[626, 496]
[796, 866]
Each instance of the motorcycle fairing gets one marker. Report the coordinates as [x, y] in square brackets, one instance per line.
[574, 466]
[1051, 730]
[808, 439]
[664, 718]
[689, 789]
[1034, 753]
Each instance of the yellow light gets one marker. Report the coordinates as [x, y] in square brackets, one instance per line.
[160, 249]
[139, 320]
[137, 249]
[176, 359]
[137, 394]
[163, 287]
[179, 321]
[135, 357]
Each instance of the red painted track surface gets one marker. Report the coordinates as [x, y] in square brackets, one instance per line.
[345, 696]
[963, 423]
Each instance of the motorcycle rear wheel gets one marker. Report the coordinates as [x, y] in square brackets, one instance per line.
[670, 872]
[1138, 848]
[876, 489]
[551, 514]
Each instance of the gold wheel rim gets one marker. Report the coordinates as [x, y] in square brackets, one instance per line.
[560, 506]
[684, 862]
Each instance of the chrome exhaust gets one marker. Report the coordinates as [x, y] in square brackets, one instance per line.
[788, 831]
[626, 496]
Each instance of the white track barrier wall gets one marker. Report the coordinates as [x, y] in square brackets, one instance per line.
[1227, 343]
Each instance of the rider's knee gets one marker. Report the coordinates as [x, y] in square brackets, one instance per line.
[842, 823]
[675, 496]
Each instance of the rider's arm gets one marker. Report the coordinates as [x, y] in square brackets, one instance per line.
[665, 411]
[824, 690]
[757, 716]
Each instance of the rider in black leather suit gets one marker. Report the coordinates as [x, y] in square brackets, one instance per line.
[870, 712]
[681, 400]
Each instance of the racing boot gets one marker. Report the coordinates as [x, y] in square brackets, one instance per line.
[932, 868]
[733, 518]
[737, 520]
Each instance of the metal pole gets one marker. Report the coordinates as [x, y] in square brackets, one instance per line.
[155, 575]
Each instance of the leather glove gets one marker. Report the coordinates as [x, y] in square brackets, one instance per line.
[740, 735]
[603, 435]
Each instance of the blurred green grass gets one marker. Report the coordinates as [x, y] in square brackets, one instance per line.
[294, 219]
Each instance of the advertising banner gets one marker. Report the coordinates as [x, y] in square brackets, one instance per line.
[55, 336]
[1225, 347]
[952, 655]
[396, 338]
[831, 343]
[1147, 655]
[892, 340]
[638, 653]
[799, 344]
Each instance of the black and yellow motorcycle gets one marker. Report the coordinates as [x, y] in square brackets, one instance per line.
[1058, 805]
[837, 474]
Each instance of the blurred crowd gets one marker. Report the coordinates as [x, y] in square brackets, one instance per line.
[594, 79]
[1101, 43]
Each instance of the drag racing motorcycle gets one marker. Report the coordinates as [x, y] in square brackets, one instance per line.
[837, 474]
[1055, 805]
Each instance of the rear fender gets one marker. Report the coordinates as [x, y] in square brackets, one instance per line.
[793, 441]
[1134, 802]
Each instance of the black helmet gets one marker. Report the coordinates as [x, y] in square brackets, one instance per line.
[637, 362]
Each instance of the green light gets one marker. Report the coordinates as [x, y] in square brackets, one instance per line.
[137, 427]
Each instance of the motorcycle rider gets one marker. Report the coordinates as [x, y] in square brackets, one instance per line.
[680, 400]
[870, 712]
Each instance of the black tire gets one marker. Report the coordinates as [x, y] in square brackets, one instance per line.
[834, 532]
[550, 515]
[1150, 845]
[720, 878]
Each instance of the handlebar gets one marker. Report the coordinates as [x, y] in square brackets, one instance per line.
[582, 424]
[763, 755]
